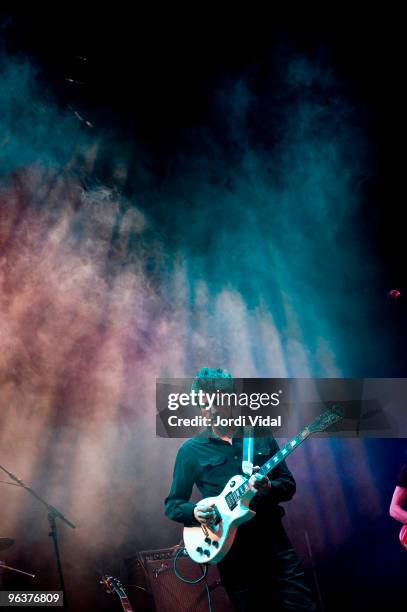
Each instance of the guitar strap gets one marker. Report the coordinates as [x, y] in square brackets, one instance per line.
[247, 459]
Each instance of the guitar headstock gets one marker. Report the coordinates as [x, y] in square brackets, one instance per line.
[113, 585]
[326, 419]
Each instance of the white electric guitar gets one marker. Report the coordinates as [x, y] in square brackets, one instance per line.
[210, 543]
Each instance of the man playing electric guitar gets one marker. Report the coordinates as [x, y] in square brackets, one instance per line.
[261, 570]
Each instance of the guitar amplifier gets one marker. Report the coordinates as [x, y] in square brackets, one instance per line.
[154, 587]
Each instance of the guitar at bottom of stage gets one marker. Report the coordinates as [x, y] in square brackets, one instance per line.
[211, 543]
[113, 585]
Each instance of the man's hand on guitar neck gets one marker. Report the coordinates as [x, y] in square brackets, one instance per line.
[259, 482]
[204, 514]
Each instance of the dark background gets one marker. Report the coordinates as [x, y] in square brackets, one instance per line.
[148, 78]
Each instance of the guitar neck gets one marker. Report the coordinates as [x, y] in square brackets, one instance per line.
[276, 459]
[126, 604]
[284, 451]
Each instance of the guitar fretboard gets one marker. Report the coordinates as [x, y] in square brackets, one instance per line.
[274, 460]
[126, 604]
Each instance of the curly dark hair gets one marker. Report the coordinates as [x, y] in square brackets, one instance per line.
[211, 380]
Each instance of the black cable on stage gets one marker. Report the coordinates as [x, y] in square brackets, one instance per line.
[204, 568]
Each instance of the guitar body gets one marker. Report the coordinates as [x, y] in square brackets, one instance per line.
[403, 536]
[209, 544]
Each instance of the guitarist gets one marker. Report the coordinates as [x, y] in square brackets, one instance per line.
[261, 568]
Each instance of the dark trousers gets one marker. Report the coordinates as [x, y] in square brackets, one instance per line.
[262, 571]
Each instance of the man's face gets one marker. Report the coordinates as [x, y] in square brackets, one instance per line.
[223, 411]
[207, 410]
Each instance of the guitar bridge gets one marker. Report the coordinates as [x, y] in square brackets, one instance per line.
[217, 520]
[218, 517]
[205, 530]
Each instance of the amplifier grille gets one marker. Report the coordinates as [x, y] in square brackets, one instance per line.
[153, 570]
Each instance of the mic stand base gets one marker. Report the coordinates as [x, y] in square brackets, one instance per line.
[54, 535]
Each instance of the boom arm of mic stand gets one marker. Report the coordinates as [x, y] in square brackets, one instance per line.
[53, 513]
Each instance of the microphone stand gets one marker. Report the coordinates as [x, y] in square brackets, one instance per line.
[14, 569]
[53, 514]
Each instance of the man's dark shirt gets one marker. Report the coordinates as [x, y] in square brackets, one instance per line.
[210, 462]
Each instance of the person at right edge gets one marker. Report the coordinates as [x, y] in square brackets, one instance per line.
[261, 571]
[398, 501]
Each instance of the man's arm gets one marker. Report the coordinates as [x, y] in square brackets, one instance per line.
[177, 505]
[396, 507]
